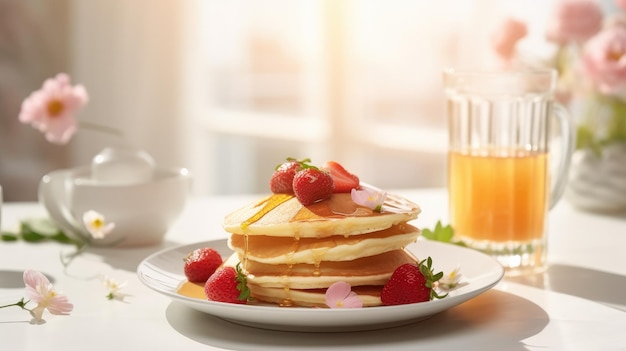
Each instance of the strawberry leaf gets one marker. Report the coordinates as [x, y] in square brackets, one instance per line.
[425, 267]
[242, 284]
[304, 163]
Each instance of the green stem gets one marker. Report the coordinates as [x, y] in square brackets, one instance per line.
[101, 128]
[67, 259]
[21, 304]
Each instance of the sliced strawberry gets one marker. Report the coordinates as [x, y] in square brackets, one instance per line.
[281, 181]
[344, 180]
[226, 285]
[311, 185]
[201, 263]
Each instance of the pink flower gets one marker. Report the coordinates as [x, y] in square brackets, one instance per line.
[368, 197]
[39, 290]
[52, 108]
[574, 21]
[340, 295]
[621, 3]
[604, 59]
[506, 36]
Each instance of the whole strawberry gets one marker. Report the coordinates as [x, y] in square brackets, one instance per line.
[281, 181]
[201, 263]
[311, 185]
[344, 180]
[411, 283]
[227, 285]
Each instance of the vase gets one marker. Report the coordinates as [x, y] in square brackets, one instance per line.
[597, 180]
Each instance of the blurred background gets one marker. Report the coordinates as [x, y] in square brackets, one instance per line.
[229, 89]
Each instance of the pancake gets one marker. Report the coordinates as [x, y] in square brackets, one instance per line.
[283, 215]
[305, 285]
[369, 295]
[287, 250]
[291, 253]
[370, 270]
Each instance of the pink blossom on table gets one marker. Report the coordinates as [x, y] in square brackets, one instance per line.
[604, 60]
[96, 224]
[506, 36]
[40, 290]
[369, 197]
[340, 295]
[574, 21]
[52, 108]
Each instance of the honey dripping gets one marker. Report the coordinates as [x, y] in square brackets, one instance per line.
[316, 265]
[286, 302]
[269, 203]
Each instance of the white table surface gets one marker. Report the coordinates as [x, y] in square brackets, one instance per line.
[578, 304]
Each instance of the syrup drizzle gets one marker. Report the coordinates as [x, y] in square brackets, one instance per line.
[269, 203]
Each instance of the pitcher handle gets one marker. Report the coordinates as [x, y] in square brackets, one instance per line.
[568, 141]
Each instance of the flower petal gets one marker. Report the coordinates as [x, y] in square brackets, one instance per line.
[37, 285]
[340, 295]
[368, 197]
[60, 305]
[352, 301]
[96, 225]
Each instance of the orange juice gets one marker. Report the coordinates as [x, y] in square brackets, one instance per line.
[498, 195]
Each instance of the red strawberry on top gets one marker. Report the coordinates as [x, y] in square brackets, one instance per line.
[411, 284]
[201, 263]
[227, 285]
[311, 185]
[281, 181]
[344, 180]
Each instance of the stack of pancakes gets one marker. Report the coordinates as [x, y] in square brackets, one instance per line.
[292, 253]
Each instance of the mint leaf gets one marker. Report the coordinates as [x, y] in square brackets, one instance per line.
[442, 233]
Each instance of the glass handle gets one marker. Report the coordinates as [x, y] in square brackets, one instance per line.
[567, 149]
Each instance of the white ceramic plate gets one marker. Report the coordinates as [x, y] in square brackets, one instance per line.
[163, 272]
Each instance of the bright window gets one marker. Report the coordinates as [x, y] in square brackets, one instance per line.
[355, 81]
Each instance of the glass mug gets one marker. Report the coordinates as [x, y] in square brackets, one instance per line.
[501, 183]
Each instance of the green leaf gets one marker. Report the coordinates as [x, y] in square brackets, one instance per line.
[444, 234]
[42, 226]
[34, 230]
[62, 238]
[242, 284]
[425, 267]
[6, 236]
[440, 233]
[32, 237]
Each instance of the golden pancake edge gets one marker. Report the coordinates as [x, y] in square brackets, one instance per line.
[283, 215]
[286, 250]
